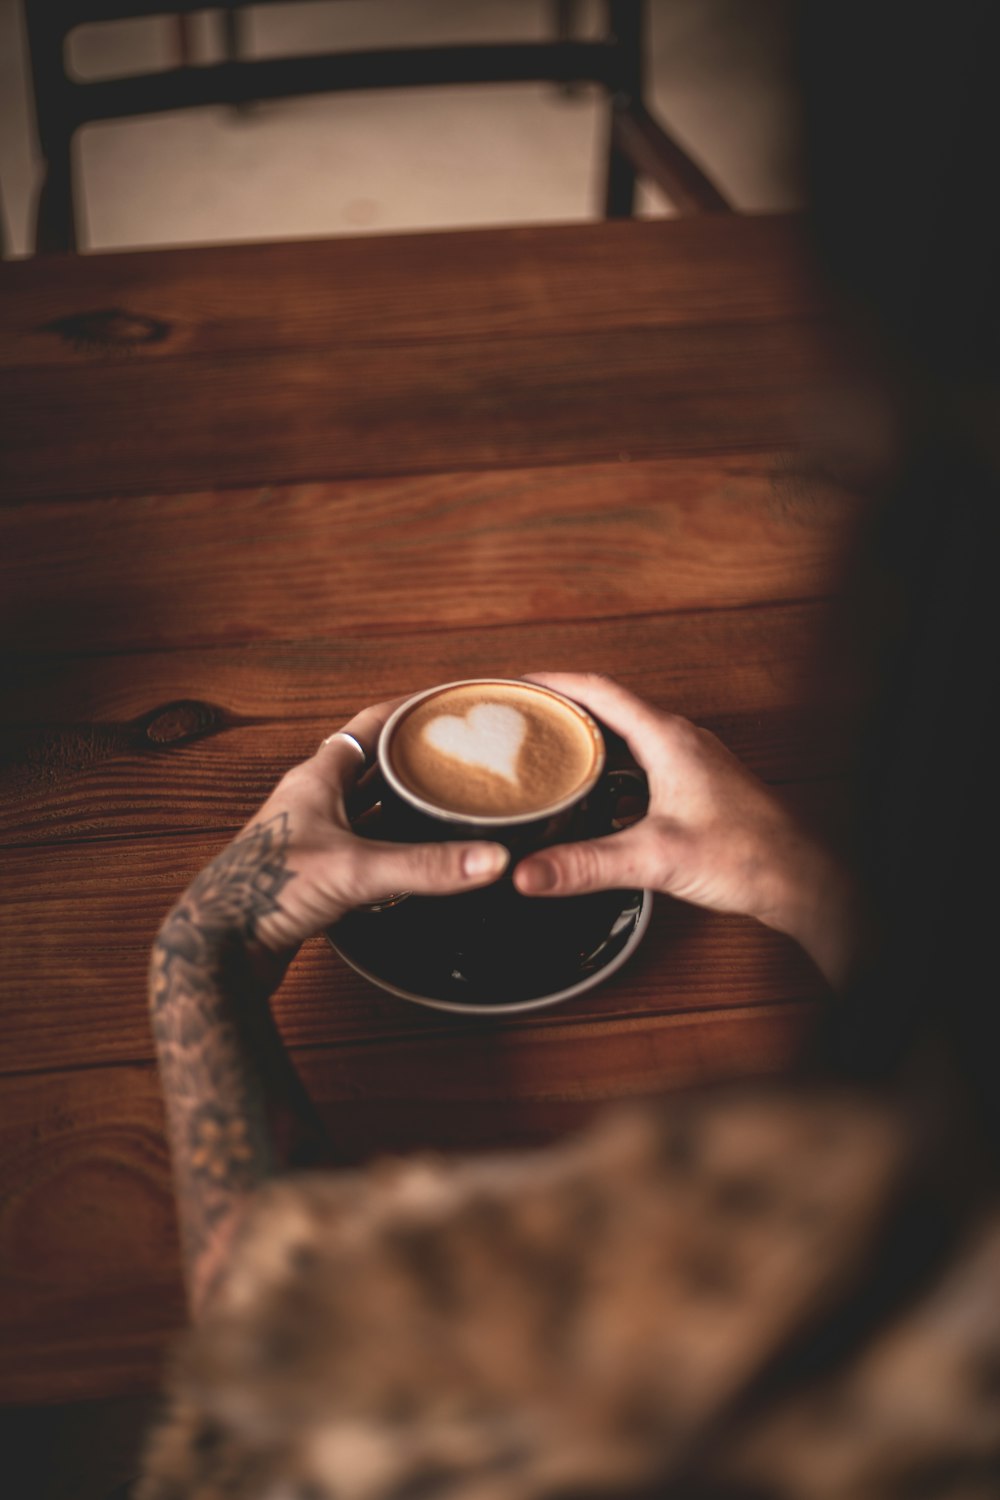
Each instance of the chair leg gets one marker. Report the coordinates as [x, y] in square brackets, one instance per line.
[566, 19]
[656, 156]
[619, 189]
[55, 114]
[235, 47]
[638, 144]
[55, 222]
[626, 28]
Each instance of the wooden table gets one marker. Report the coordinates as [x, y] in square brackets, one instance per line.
[248, 490]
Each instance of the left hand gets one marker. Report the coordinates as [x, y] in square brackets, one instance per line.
[714, 835]
[305, 867]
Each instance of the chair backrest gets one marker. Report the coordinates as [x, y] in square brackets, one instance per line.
[64, 104]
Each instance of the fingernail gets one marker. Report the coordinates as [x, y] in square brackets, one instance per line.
[536, 876]
[484, 859]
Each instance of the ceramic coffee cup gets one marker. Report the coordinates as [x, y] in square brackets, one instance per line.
[510, 762]
[498, 759]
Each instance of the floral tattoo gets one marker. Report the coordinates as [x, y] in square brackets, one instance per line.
[219, 1053]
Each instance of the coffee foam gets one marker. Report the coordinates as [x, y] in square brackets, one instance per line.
[493, 750]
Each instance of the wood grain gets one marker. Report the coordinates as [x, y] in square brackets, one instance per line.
[99, 782]
[307, 416]
[724, 661]
[244, 491]
[132, 745]
[88, 1258]
[89, 1286]
[329, 561]
[404, 289]
[77, 923]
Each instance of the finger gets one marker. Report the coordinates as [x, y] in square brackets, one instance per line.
[340, 762]
[619, 860]
[424, 869]
[638, 722]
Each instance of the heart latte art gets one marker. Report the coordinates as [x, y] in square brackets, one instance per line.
[494, 749]
[489, 737]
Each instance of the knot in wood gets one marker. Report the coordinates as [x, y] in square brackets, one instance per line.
[185, 720]
[109, 327]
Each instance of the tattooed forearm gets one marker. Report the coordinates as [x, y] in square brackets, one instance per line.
[224, 1073]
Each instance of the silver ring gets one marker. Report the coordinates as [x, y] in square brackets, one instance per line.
[343, 734]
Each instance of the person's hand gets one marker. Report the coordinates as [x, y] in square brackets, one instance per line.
[303, 867]
[235, 1105]
[713, 835]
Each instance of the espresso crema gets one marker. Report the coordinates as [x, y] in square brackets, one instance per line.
[495, 749]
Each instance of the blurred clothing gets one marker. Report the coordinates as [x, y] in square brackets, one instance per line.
[753, 1293]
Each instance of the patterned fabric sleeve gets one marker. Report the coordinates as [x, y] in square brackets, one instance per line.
[605, 1316]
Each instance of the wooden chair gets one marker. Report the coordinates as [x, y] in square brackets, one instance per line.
[636, 144]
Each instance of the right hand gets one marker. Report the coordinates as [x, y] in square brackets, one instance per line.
[714, 834]
[299, 866]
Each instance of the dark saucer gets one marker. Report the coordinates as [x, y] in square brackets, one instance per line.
[493, 951]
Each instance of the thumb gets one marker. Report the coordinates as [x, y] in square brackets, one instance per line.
[425, 869]
[618, 859]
